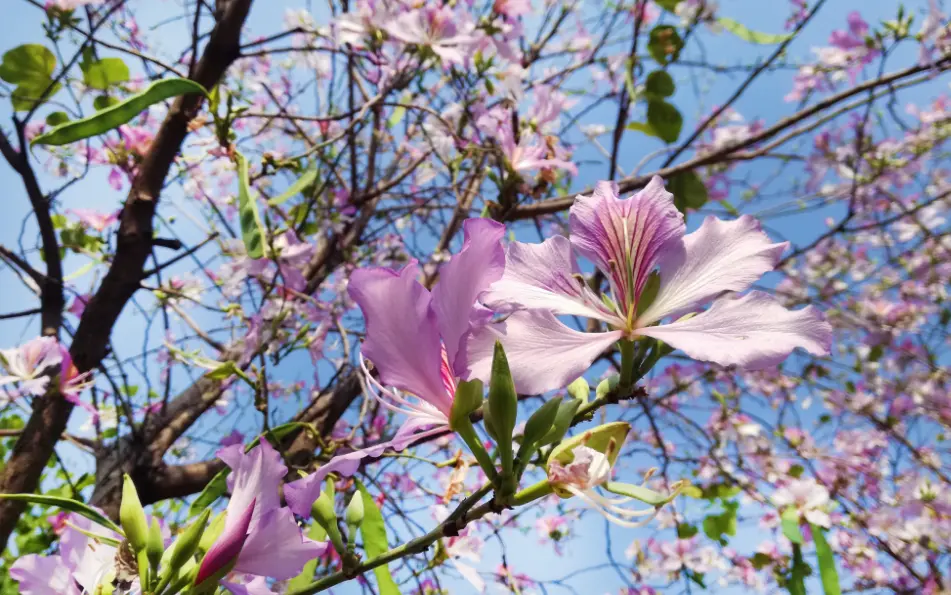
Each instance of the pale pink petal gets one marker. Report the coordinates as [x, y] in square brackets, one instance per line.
[543, 276]
[624, 237]
[256, 586]
[277, 548]
[543, 353]
[461, 281]
[470, 574]
[752, 332]
[302, 493]
[402, 339]
[43, 575]
[255, 476]
[720, 256]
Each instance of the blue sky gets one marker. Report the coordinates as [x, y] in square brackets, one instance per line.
[698, 94]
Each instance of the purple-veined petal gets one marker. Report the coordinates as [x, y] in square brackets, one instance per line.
[543, 353]
[43, 575]
[228, 545]
[277, 548]
[256, 586]
[720, 256]
[624, 237]
[753, 332]
[255, 477]
[302, 494]
[88, 559]
[541, 276]
[402, 337]
[461, 281]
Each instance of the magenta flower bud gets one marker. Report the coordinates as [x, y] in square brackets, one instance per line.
[227, 547]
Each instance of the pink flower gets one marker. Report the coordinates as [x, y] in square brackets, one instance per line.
[31, 364]
[94, 219]
[421, 350]
[807, 497]
[627, 239]
[78, 305]
[260, 536]
[448, 34]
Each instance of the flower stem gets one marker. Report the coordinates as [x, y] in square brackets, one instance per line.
[626, 382]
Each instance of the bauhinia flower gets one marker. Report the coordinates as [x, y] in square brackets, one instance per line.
[83, 563]
[627, 239]
[807, 498]
[30, 364]
[416, 341]
[259, 537]
[582, 467]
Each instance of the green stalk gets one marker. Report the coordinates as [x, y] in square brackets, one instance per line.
[628, 351]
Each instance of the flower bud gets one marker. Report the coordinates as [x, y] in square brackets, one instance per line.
[580, 390]
[156, 545]
[468, 398]
[323, 510]
[132, 516]
[187, 543]
[503, 405]
[353, 516]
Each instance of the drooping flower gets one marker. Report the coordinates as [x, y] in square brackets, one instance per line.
[82, 564]
[261, 537]
[30, 364]
[626, 239]
[416, 341]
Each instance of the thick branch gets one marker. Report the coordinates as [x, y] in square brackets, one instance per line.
[133, 246]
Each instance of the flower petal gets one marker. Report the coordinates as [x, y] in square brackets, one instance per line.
[624, 237]
[752, 332]
[402, 337]
[542, 276]
[720, 256]
[256, 586]
[461, 281]
[277, 548]
[229, 544]
[43, 575]
[543, 353]
[302, 494]
[255, 477]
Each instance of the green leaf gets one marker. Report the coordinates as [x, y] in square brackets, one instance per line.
[31, 64]
[642, 127]
[56, 118]
[689, 191]
[373, 530]
[296, 188]
[664, 44]
[105, 73]
[686, 530]
[26, 97]
[660, 84]
[669, 5]
[252, 231]
[563, 419]
[212, 491]
[827, 572]
[665, 120]
[752, 36]
[715, 526]
[118, 114]
[66, 504]
[790, 524]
